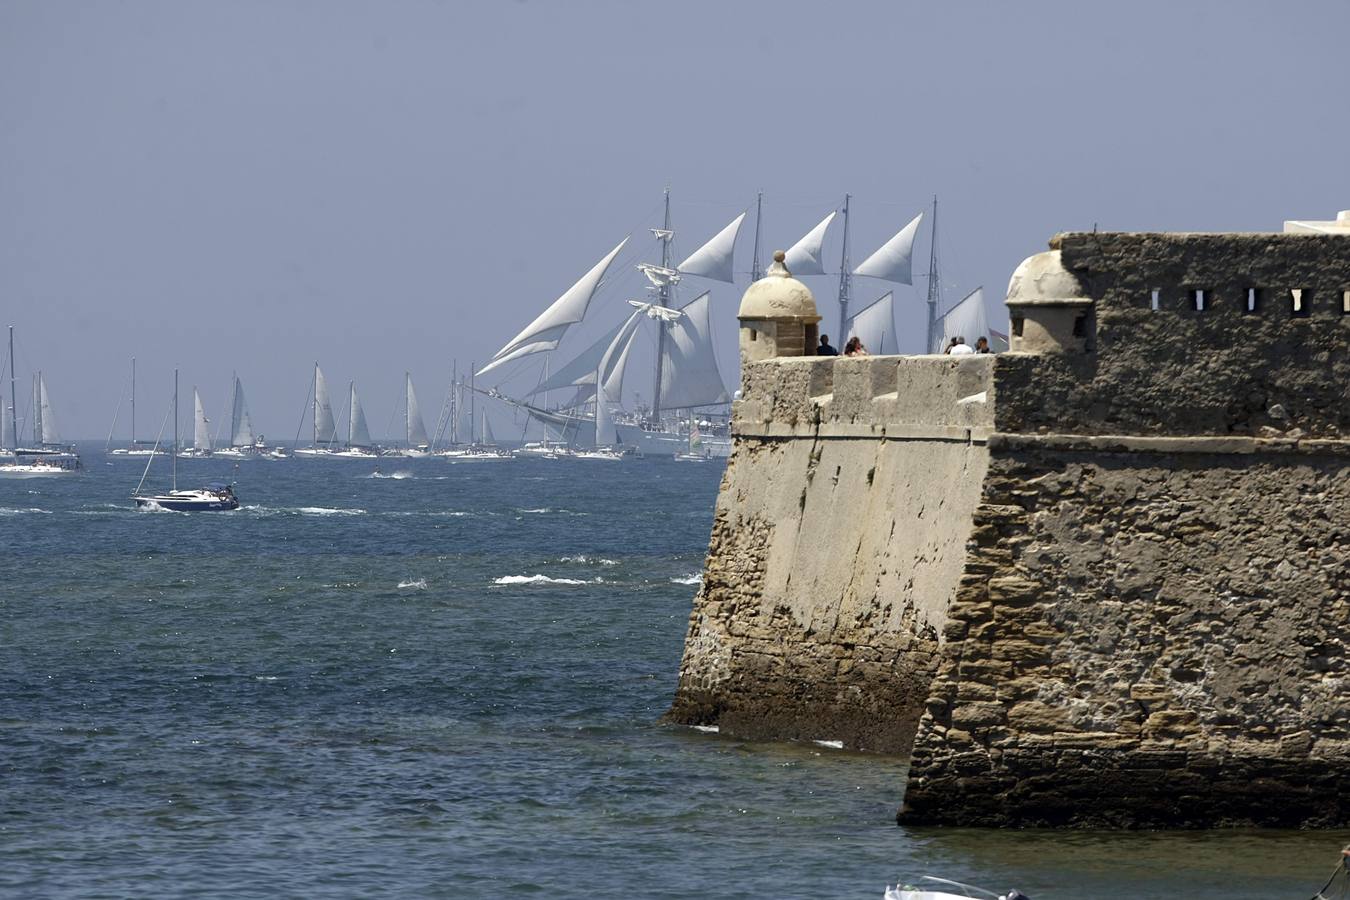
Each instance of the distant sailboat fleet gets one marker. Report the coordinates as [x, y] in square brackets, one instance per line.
[687, 418]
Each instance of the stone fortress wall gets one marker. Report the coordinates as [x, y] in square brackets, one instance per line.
[1101, 580]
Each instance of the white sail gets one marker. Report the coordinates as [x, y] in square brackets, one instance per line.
[8, 436]
[325, 428]
[968, 319]
[893, 259]
[488, 437]
[546, 330]
[46, 422]
[358, 435]
[241, 428]
[416, 428]
[875, 326]
[606, 435]
[610, 372]
[714, 259]
[689, 375]
[582, 369]
[805, 257]
[201, 434]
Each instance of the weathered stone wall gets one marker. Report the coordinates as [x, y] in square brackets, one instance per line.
[837, 544]
[1112, 587]
[1146, 639]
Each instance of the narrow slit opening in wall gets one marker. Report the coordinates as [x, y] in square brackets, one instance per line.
[1155, 302]
[1345, 303]
[1079, 326]
[1254, 300]
[1300, 303]
[754, 335]
[1198, 299]
[1016, 322]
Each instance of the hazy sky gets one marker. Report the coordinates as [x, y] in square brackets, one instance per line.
[393, 185]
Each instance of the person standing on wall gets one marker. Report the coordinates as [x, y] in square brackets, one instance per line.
[825, 349]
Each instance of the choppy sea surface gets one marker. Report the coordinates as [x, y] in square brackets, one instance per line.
[447, 682]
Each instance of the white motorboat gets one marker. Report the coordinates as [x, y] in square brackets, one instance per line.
[213, 496]
[601, 453]
[933, 888]
[34, 468]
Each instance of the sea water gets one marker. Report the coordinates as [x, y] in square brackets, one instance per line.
[447, 683]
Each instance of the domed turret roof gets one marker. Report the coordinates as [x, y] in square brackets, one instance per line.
[778, 296]
[1042, 279]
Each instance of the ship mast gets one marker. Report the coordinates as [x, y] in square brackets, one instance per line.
[756, 273]
[174, 465]
[934, 286]
[662, 299]
[13, 399]
[133, 403]
[843, 280]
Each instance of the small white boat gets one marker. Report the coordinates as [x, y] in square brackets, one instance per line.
[944, 889]
[36, 468]
[602, 453]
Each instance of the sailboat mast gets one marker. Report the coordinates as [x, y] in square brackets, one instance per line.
[13, 398]
[844, 280]
[472, 367]
[756, 273]
[934, 285]
[37, 409]
[351, 413]
[454, 402]
[133, 402]
[175, 430]
[315, 423]
[662, 298]
[407, 408]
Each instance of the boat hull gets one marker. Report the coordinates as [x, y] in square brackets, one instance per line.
[183, 504]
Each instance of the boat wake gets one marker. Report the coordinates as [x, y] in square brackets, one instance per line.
[397, 476]
[550, 510]
[5, 511]
[419, 584]
[544, 579]
[304, 511]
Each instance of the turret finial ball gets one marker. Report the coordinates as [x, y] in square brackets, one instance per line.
[779, 256]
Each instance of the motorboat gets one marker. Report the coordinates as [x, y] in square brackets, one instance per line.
[933, 888]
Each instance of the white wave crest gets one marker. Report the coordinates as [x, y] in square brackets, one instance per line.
[542, 579]
[583, 560]
[833, 745]
[691, 578]
[5, 511]
[419, 584]
[303, 511]
[706, 729]
[399, 475]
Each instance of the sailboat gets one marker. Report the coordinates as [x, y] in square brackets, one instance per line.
[416, 442]
[135, 448]
[325, 428]
[201, 432]
[244, 444]
[35, 462]
[214, 496]
[359, 444]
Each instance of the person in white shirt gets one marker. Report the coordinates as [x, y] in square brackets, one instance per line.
[961, 348]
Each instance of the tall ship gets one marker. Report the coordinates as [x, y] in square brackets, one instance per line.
[688, 412]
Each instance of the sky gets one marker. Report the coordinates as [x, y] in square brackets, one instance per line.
[397, 186]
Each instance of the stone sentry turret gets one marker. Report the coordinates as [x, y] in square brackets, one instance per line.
[1102, 579]
[778, 316]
